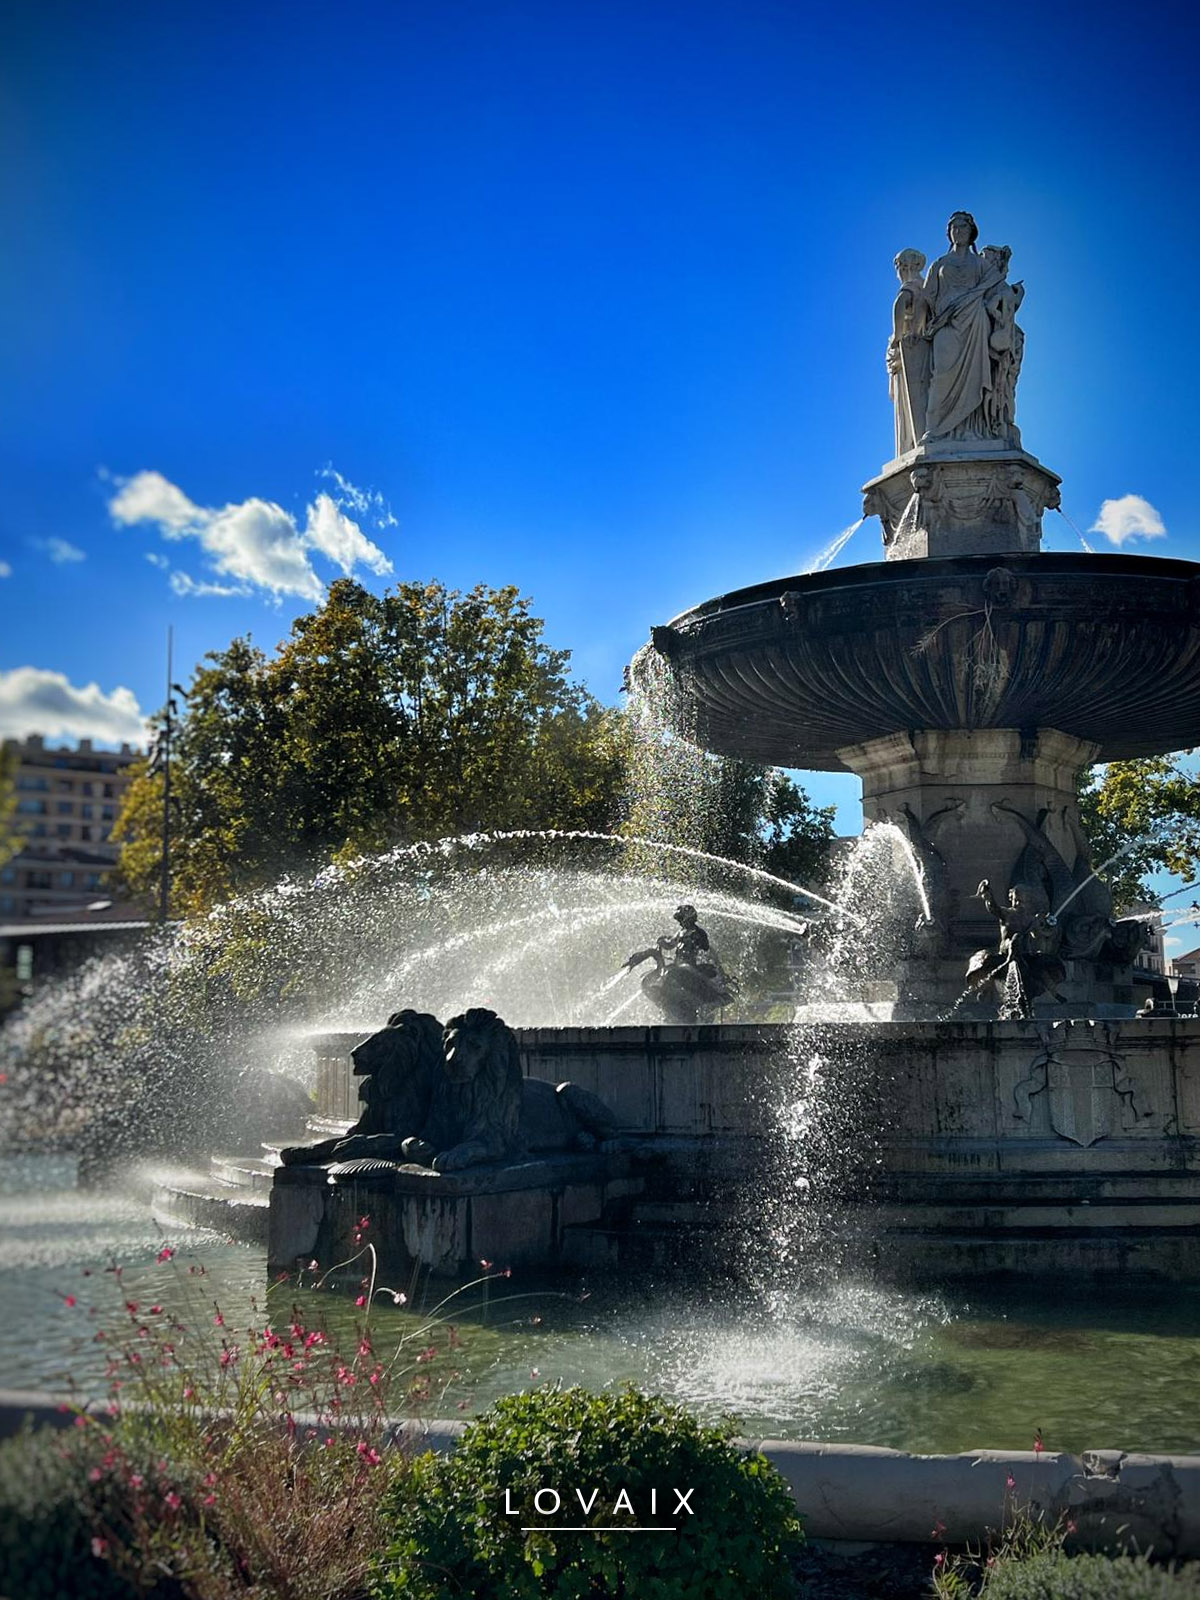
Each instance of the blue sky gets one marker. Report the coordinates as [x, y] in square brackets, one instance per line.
[589, 298]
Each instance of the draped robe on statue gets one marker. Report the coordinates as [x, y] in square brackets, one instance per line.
[956, 290]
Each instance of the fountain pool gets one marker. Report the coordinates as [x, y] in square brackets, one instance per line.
[847, 1361]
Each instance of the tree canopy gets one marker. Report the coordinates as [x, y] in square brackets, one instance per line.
[1149, 811]
[382, 719]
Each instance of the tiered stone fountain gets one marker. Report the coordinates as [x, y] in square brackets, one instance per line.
[1012, 1111]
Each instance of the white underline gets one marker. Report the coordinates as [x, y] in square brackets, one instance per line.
[547, 1527]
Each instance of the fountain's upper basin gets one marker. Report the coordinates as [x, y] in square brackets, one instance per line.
[794, 671]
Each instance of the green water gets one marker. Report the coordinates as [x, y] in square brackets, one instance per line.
[851, 1362]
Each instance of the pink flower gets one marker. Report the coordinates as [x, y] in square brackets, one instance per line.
[370, 1456]
[534, 1373]
[364, 1222]
[229, 1355]
[69, 1300]
[939, 1560]
[507, 1273]
[364, 1346]
[313, 1265]
[156, 1311]
[165, 1253]
[131, 1306]
[315, 1337]
[218, 1320]
[361, 1301]
[136, 1480]
[99, 1547]
[189, 1393]
[487, 1265]
[1071, 1527]
[210, 1499]
[173, 1500]
[428, 1354]
[81, 1422]
[95, 1475]
[1038, 1445]
[1010, 1482]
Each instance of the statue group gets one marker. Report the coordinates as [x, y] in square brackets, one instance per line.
[955, 352]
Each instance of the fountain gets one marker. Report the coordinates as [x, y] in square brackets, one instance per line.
[1001, 1109]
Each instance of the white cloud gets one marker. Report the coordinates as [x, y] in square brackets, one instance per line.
[149, 497]
[334, 534]
[5, 570]
[157, 559]
[1130, 517]
[367, 502]
[34, 700]
[181, 583]
[254, 542]
[60, 551]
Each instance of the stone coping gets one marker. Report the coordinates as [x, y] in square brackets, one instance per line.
[550, 1171]
[777, 1035]
[850, 1493]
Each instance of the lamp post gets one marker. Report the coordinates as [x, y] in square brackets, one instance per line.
[1173, 987]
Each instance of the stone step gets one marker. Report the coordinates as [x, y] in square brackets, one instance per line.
[204, 1204]
[1069, 1188]
[1000, 1219]
[255, 1173]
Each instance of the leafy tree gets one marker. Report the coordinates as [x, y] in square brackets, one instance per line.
[417, 714]
[10, 839]
[1149, 811]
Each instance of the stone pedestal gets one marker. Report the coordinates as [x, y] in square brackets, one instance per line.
[958, 796]
[964, 501]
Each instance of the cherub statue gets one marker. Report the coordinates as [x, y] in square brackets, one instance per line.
[692, 979]
[1026, 963]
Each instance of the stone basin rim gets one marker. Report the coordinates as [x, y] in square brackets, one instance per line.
[1066, 563]
[807, 671]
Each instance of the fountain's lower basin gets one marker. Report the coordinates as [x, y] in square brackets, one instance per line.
[945, 1149]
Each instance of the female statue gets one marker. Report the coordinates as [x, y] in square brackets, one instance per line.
[956, 290]
[908, 352]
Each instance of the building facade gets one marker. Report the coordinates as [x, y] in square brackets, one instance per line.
[67, 802]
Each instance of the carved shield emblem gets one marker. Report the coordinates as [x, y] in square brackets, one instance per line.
[1081, 1090]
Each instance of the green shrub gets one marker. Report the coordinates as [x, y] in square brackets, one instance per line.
[469, 1524]
[47, 1521]
[1053, 1575]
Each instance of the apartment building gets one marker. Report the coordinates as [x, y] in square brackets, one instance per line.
[67, 802]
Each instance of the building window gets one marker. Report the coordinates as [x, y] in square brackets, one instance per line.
[24, 963]
[32, 808]
[109, 791]
[87, 811]
[39, 880]
[87, 788]
[8, 874]
[63, 831]
[85, 832]
[67, 879]
[7, 903]
[64, 785]
[33, 783]
[109, 814]
[39, 830]
[92, 881]
[65, 807]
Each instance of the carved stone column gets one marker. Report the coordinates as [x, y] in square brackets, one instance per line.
[963, 792]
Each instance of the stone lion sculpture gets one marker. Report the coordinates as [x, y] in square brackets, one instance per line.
[455, 1097]
[399, 1067]
[475, 1113]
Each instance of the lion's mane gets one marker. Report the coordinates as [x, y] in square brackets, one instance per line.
[486, 1108]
